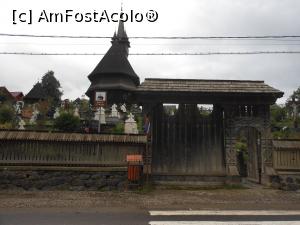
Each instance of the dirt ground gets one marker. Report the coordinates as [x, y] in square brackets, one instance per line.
[188, 199]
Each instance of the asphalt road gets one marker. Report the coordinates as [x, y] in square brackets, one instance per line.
[127, 216]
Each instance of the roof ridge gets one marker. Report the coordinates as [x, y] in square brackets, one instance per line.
[220, 80]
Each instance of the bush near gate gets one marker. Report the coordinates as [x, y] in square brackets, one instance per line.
[67, 122]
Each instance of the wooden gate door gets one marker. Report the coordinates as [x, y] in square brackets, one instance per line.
[254, 155]
[187, 143]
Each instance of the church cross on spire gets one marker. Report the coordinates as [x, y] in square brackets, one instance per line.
[120, 36]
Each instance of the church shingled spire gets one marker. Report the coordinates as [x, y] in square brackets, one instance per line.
[121, 37]
[121, 30]
[114, 71]
[114, 38]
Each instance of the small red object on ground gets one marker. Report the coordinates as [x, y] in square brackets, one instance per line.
[135, 167]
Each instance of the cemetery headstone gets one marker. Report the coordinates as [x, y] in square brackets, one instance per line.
[34, 116]
[123, 108]
[114, 111]
[56, 114]
[76, 112]
[131, 125]
[102, 116]
[21, 124]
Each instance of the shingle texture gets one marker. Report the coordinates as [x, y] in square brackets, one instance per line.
[114, 71]
[115, 62]
[76, 137]
[206, 86]
[6, 93]
[37, 93]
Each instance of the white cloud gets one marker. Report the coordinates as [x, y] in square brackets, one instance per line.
[176, 18]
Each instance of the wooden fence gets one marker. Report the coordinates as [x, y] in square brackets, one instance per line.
[286, 154]
[21, 148]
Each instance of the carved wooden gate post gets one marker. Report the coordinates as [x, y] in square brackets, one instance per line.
[230, 142]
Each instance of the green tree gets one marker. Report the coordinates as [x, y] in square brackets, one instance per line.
[296, 94]
[6, 114]
[278, 113]
[296, 97]
[52, 87]
[67, 122]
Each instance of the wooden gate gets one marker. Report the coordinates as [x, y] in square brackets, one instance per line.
[187, 143]
[254, 155]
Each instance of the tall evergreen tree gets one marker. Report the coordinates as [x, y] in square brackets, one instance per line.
[52, 87]
[296, 97]
[296, 94]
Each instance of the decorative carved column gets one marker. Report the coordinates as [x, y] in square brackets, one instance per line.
[230, 141]
[266, 144]
[147, 114]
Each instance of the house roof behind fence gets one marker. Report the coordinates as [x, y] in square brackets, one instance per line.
[6, 93]
[72, 137]
[37, 92]
[16, 93]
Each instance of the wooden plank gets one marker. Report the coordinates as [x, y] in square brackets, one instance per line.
[63, 168]
[286, 159]
[68, 163]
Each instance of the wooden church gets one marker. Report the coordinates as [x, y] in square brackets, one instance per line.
[114, 74]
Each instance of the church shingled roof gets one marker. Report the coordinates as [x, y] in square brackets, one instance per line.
[36, 93]
[115, 62]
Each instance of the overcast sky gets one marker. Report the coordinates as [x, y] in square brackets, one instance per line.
[176, 18]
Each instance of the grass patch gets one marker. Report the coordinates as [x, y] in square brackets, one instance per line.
[145, 189]
[234, 186]
[201, 188]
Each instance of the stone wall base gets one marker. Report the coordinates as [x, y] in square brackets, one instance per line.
[289, 182]
[62, 180]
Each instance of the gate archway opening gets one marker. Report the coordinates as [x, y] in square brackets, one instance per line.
[248, 149]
